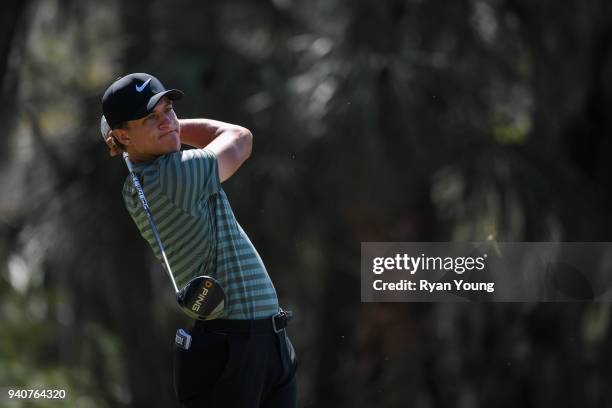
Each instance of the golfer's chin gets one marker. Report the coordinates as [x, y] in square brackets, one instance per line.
[171, 141]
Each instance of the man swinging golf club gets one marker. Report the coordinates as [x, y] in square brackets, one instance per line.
[237, 354]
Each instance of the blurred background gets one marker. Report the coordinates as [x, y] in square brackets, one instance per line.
[394, 120]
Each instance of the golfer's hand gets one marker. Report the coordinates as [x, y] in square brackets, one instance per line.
[114, 150]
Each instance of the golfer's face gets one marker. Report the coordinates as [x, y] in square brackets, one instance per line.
[157, 133]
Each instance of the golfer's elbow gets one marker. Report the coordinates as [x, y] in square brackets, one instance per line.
[244, 139]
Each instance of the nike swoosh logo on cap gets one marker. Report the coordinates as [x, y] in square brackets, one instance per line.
[141, 87]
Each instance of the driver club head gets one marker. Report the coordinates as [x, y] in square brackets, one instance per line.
[202, 298]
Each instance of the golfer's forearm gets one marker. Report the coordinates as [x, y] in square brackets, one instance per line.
[200, 132]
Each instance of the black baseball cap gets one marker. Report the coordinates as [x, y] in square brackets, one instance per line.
[134, 96]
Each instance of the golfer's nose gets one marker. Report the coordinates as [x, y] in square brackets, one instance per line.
[166, 120]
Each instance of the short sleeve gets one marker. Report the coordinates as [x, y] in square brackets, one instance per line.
[189, 177]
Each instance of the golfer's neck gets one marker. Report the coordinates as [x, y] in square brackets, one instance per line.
[136, 157]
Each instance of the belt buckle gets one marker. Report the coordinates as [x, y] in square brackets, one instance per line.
[279, 314]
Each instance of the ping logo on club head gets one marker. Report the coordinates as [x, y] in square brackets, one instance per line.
[198, 303]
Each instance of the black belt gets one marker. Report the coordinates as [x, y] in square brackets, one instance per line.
[272, 324]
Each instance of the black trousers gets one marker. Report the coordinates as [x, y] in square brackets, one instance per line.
[236, 370]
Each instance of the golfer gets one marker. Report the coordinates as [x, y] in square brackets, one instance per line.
[242, 358]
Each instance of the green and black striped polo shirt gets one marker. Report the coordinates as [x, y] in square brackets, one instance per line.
[199, 232]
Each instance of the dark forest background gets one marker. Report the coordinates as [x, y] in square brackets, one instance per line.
[399, 120]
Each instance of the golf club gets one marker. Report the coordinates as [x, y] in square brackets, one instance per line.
[202, 298]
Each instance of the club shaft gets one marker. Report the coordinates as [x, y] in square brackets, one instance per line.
[145, 205]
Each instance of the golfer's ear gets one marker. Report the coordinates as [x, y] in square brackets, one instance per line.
[113, 148]
[122, 136]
